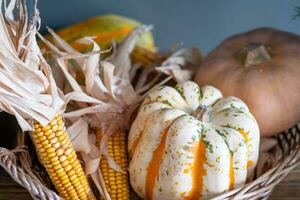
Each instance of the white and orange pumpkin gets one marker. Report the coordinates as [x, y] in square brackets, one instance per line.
[189, 142]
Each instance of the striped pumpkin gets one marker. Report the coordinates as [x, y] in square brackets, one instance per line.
[191, 143]
[105, 29]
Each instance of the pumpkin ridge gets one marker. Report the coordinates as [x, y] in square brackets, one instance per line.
[231, 168]
[136, 141]
[244, 134]
[154, 165]
[231, 172]
[238, 129]
[225, 140]
[198, 171]
[148, 100]
[180, 91]
[157, 157]
[134, 145]
[145, 107]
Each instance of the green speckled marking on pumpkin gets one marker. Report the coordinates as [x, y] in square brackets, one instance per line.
[180, 91]
[209, 146]
[225, 140]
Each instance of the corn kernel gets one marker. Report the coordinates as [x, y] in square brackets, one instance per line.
[63, 170]
[117, 183]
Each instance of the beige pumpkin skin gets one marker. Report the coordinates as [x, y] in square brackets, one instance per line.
[271, 89]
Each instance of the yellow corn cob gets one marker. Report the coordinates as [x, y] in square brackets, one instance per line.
[117, 183]
[58, 156]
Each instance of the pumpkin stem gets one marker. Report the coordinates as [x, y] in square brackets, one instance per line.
[202, 113]
[254, 54]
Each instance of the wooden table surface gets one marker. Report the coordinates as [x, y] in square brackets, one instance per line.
[288, 189]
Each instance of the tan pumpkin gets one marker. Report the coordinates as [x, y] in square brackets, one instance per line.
[261, 67]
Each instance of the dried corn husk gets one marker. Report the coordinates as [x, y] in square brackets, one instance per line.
[27, 88]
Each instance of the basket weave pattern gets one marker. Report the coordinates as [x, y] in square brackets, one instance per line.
[8, 161]
[286, 157]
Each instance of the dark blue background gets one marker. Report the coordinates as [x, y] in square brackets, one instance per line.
[201, 23]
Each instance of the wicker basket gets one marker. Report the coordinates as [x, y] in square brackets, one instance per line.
[284, 156]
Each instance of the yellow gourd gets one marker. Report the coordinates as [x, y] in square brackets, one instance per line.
[105, 29]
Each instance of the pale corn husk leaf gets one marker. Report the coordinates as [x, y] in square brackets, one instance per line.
[171, 66]
[60, 43]
[27, 88]
[78, 132]
[121, 58]
[79, 136]
[6, 39]
[90, 66]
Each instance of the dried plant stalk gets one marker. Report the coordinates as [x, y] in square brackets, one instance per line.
[28, 91]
